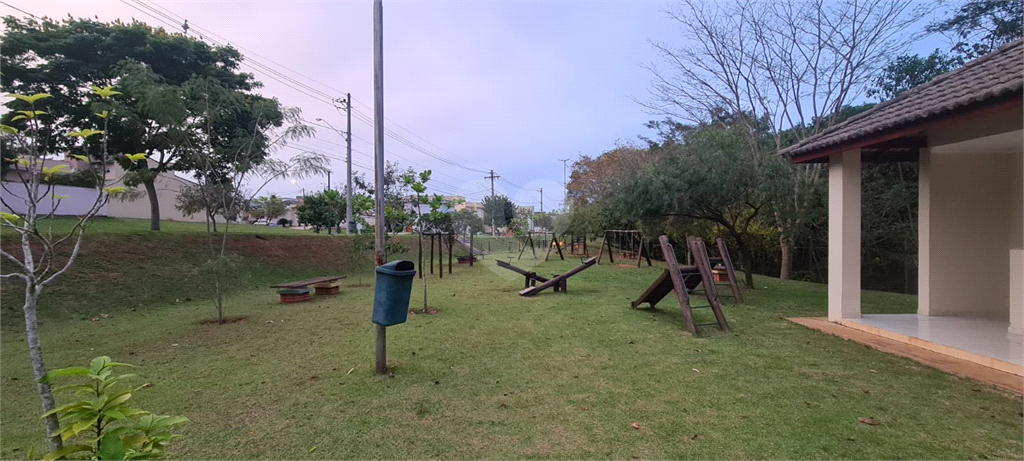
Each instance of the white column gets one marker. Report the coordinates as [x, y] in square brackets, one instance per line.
[924, 232]
[1016, 292]
[844, 236]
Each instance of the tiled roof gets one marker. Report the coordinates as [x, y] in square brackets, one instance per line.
[996, 75]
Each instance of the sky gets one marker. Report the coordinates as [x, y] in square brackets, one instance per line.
[513, 86]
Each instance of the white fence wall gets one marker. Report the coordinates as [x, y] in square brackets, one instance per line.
[78, 200]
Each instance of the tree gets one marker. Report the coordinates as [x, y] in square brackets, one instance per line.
[785, 67]
[212, 200]
[466, 221]
[499, 211]
[544, 220]
[38, 265]
[396, 197]
[268, 207]
[981, 26]
[319, 211]
[712, 177]
[906, 72]
[163, 77]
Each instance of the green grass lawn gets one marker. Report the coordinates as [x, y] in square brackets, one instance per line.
[495, 375]
[129, 226]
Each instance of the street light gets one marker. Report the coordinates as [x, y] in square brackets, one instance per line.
[348, 162]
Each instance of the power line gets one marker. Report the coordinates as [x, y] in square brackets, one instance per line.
[363, 117]
[19, 9]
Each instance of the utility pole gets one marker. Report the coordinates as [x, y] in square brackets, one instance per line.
[565, 186]
[378, 155]
[541, 190]
[492, 177]
[348, 162]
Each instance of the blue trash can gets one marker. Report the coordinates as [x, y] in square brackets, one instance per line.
[392, 291]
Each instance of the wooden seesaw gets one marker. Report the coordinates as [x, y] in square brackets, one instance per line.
[558, 281]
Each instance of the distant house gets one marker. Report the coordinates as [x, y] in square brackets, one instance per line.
[966, 131]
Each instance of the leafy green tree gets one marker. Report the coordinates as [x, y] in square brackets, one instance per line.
[267, 207]
[544, 220]
[396, 196]
[167, 79]
[318, 211]
[499, 211]
[906, 72]
[212, 199]
[38, 265]
[466, 221]
[713, 177]
[981, 26]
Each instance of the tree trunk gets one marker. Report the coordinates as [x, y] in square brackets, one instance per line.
[786, 248]
[748, 260]
[154, 205]
[39, 367]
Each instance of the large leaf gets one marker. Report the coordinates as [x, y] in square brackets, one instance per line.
[97, 364]
[30, 99]
[111, 447]
[66, 450]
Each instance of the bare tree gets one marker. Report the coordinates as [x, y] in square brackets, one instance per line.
[39, 265]
[788, 66]
[225, 173]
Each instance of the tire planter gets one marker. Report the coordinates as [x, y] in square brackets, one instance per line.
[294, 295]
[322, 289]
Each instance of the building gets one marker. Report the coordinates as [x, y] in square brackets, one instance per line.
[168, 187]
[966, 131]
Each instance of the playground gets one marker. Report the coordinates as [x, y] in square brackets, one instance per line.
[493, 374]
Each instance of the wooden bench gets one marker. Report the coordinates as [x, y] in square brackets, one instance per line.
[293, 292]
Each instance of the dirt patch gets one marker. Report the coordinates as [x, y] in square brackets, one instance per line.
[236, 319]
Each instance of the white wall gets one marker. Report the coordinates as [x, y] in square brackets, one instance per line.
[78, 202]
[972, 215]
[168, 187]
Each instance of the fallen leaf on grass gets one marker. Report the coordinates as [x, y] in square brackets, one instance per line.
[869, 421]
[583, 408]
[695, 370]
[636, 426]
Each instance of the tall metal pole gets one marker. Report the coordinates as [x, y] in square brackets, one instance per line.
[348, 162]
[492, 177]
[378, 154]
[565, 186]
[541, 190]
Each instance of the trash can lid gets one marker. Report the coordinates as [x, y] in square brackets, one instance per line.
[400, 267]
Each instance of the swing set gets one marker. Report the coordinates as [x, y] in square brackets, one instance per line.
[630, 244]
[553, 242]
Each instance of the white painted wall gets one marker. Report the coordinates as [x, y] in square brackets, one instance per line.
[972, 215]
[78, 201]
[168, 186]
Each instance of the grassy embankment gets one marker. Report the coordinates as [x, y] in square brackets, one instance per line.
[492, 375]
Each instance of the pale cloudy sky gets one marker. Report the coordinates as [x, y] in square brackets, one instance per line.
[511, 86]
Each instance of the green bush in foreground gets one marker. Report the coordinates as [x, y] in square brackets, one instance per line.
[101, 407]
